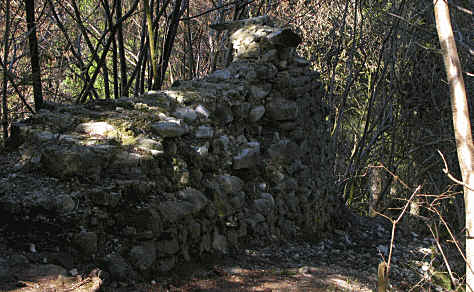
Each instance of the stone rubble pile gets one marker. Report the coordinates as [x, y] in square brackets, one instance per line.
[205, 166]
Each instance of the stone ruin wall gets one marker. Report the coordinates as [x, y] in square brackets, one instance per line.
[203, 167]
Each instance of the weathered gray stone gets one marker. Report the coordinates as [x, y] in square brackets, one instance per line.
[301, 61]
[282, 80]
[168, 247]
[149, 144]
[101, 129]
[282, 109]
[4, 269]
[185, 113]
[221, 144]
[219, 75]
[229, 184]
[285, 38]
[166, 264]
[264, 206]
[202, 110]
[42, 137]
[269, 197]
[224, 114]
[124, 102]
[288, 185]
[143, 256]
[79, 161]
[289, 125]
[157, 98]
[17, 259]
[284, 151]
[204, 132]
[271, 56]
[33, 272]
[125, 162]
[237, 200]
[241, 110]
[144, 220]
[256, 113]
[175, 211]
[197, 199]
[194, 230]
[118, 267]
[202, 150]
[86, 242]
[65, 203]
[170, 128]
[219, 242]
[301, 81]
[205, 244]
[260, 92]
[253, 220]
[247, 158]
[254, 145]
[182, 96]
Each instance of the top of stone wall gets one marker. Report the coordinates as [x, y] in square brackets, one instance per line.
[255, 37]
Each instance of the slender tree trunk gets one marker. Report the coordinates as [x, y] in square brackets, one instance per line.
[34, 55]
[143, 72]
[123, 64]
[6, 49]
[169, 41]
[151, 42]
[110, 24]
[141, 59]
[105, 69]
[189, 38]
[462, 126]
[115, 69]
[375, 189]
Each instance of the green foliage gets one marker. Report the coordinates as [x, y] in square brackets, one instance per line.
[72, 84]
[442, 280]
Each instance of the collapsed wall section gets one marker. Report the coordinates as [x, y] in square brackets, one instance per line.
[202, 167]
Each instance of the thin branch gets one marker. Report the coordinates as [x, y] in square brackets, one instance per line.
[216, 8]
[451, 177]
[11, 77]
[395, 222]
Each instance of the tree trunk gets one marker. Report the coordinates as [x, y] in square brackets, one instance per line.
[462, 126]
[375, 189]
[123, 64]
[141, 59]
[6, 48]
[169, 41]
[115, 69]
[110, 24]
[151, 42]
[34, 56]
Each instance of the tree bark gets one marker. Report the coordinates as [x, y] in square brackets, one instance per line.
[34, 55]
[178, 11]
[110, 23]
[6, 48]
[151, 42]
[462, 126]
[123, 64]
